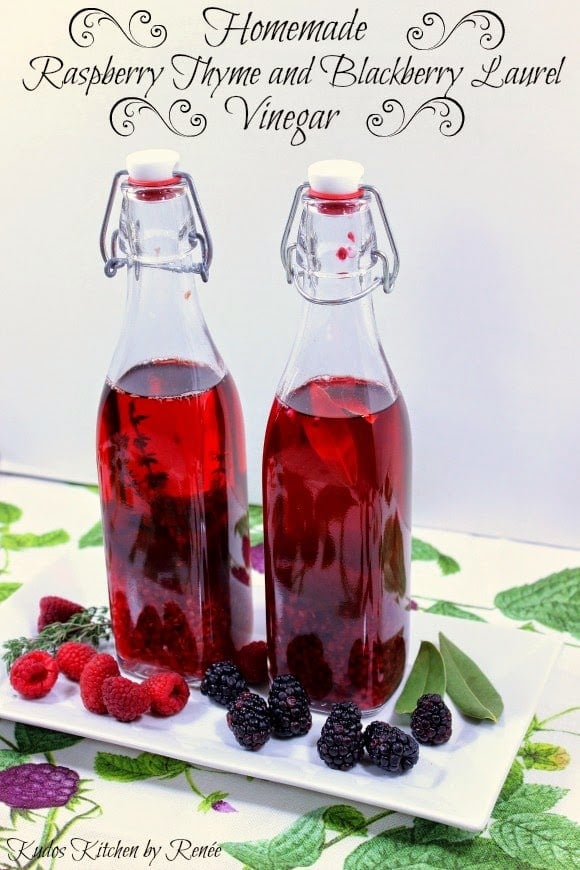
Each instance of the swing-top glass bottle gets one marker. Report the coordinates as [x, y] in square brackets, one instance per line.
[170, 441]
[336, 464]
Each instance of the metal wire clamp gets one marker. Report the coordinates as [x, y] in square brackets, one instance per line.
[389, 274]
[113, 262]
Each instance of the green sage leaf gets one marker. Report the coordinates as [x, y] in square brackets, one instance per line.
[147, 765]
[467, 685]
[544, 840]
[544, 756]
[427, 675]
[9, 513]
[553, 601]
[92, 538]
[33, 738]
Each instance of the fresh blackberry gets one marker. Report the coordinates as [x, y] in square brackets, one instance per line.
[223, 682]
[290, 707]
[390, 748]
[250, 720]
[431, 720]
[340, 744]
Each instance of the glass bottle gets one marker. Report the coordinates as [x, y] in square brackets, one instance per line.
[336, 463]
[170, 442]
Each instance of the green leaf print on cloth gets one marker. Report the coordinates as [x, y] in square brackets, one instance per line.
[92, 538]
[421, 551]
[545, 840]
[300, 845]
[447, 608]
[147, 765]
[553, 601]
[33, 738]
[13, 541]
[124, 768]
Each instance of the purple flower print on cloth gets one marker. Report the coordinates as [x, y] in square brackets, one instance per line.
[223, 807]
[33, 786]
[257, 554]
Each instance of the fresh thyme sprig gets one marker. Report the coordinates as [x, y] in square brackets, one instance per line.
[90, 625]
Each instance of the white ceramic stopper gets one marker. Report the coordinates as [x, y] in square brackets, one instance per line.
[335, 176]
[155, 164]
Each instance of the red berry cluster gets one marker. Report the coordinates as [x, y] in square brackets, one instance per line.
[368, 672]
[163, 635]
[103, 689]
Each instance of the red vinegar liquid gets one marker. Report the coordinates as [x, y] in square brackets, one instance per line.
[171, 461]
[336, 513]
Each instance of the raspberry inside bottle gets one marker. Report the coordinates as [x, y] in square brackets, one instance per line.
[337, 461]
[170, 442]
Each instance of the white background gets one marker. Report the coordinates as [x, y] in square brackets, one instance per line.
[482, 330]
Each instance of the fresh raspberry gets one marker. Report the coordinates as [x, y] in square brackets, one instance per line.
[72, 656]
[252, 660]
[168, 692]
[95, 672]
[34, 674]
[56, 609]
[124, 699]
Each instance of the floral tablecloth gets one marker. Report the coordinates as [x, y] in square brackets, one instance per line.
[138, 809]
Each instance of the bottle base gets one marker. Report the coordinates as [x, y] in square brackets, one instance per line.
[325, 708]
[141, 671]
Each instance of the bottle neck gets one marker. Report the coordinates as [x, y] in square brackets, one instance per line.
[163, 317]
[335, 250]
[339, 340]
[334, 272]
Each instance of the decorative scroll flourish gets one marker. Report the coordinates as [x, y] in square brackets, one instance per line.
[450, 114]
[491, 25]
[82, 24]
[123, 115]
